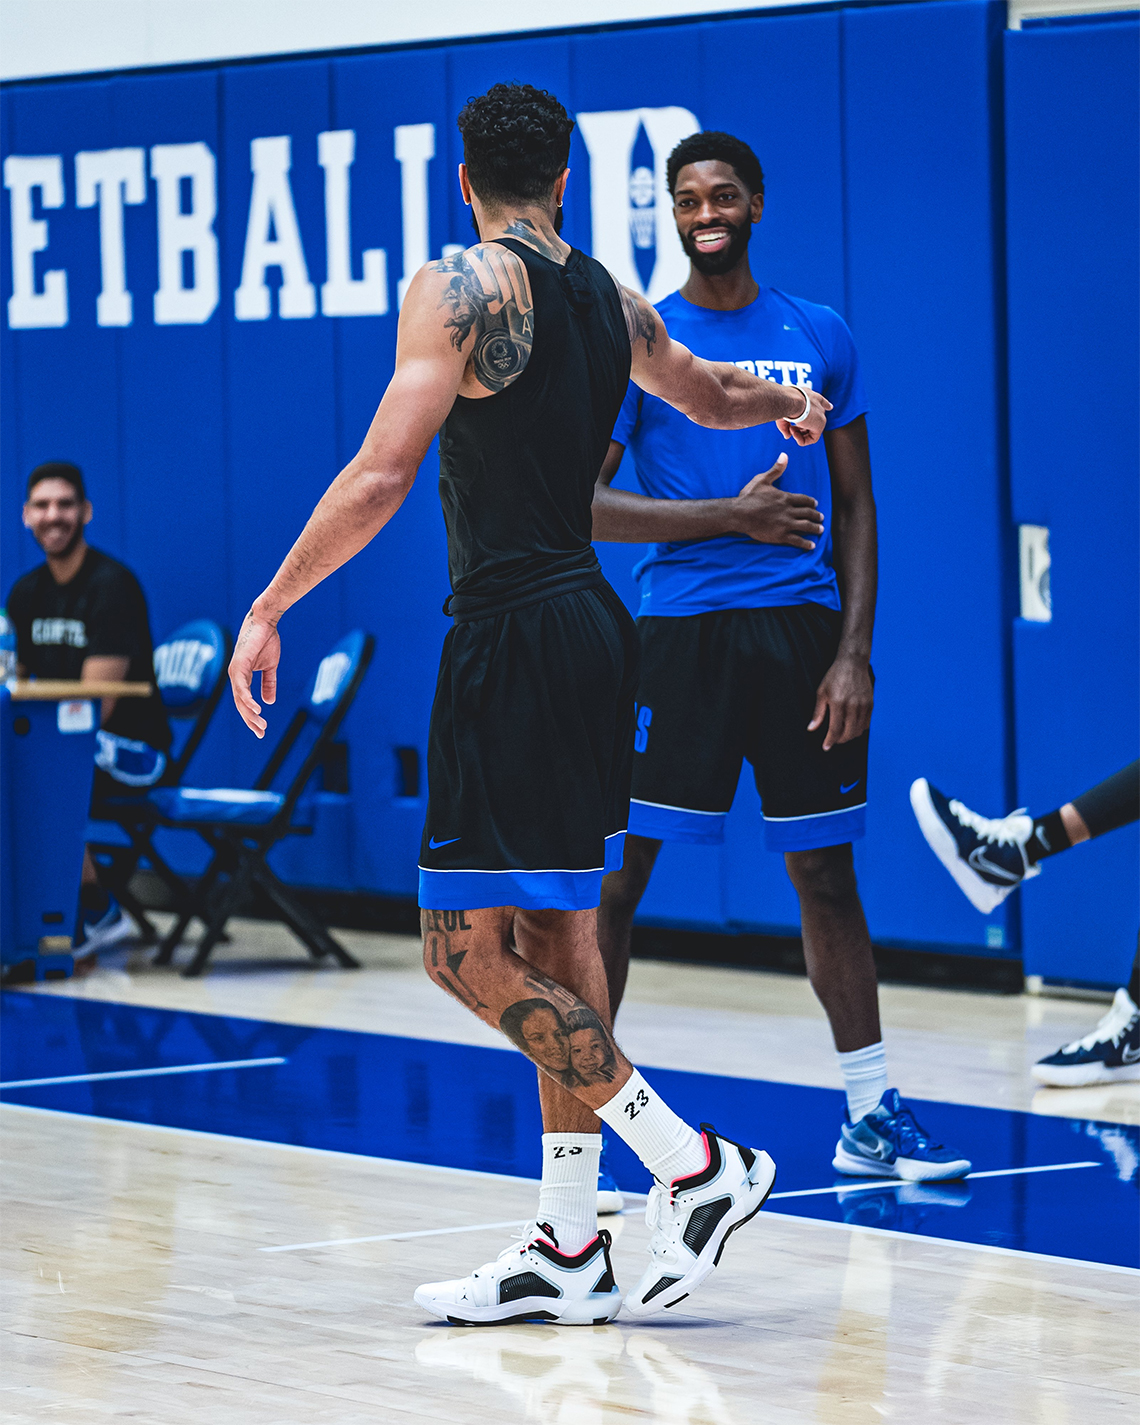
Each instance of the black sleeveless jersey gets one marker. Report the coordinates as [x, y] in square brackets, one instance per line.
[517, 469]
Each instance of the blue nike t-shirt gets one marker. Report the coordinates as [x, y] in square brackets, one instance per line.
[782, 339]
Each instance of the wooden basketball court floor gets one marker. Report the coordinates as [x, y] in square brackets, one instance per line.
[193, 1246]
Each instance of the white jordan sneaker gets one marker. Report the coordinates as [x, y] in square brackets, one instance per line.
[694, 1217]
[531, 1280]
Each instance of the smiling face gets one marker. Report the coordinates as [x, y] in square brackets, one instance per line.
[588, 1053]
[56, 515]
[714, 212]
[546, 1040]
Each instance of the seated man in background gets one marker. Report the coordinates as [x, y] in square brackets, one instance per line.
[82, 615]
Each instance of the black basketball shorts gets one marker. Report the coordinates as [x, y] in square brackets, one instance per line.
[720, 687]
[529, 755]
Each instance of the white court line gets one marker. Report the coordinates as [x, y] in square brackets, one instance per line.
[900, 1182]
[362, 1159]
[142, 1073]
[805, 1192]
[397, 1236]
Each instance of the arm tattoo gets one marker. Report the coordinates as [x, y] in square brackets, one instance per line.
[487, 294]
[641, 320]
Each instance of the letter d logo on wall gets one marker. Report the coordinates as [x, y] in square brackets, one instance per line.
[631, 211]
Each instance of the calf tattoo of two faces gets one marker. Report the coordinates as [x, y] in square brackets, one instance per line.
[552, 1027]
[572, 1047]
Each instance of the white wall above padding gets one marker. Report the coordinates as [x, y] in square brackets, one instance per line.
[42, 37]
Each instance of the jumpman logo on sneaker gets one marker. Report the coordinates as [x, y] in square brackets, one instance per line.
[435, 845]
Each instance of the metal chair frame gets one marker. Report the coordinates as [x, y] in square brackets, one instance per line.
[136, 818]
[240, 851]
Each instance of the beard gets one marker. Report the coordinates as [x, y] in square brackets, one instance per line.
[716, 264]
[69, 548]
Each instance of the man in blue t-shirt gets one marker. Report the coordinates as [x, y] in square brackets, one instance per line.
[757, 607]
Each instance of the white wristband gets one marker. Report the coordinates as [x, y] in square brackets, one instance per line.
[807, 407]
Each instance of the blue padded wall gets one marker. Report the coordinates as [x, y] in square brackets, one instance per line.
[923, 295]
[1071, 105]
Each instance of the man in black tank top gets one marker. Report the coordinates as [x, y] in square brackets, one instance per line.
[518, 352]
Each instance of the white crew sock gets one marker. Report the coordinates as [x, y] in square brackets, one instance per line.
[666, 1144]
[865, 1078]
[568, 1193]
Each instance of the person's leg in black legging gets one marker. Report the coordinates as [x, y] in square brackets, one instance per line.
[1110, 804]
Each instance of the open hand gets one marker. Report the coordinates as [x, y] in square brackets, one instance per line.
[814, 421]
[845, 697]
[772, 516]
[258, 650]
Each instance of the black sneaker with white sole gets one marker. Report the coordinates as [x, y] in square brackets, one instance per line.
[693, 1218]
[985, 855]
[1108, 1054]
[531, 1280]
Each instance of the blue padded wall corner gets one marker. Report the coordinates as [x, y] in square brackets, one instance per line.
[1073, 233]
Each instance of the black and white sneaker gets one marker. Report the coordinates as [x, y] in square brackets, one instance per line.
[693, 1217]
[1108, 1054]
[531, 1280]
[985, 855]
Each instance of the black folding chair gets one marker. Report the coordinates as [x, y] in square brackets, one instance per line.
[242, 826]
[189, 672]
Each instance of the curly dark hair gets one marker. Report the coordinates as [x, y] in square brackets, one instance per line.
[516, 141]
[712, 144]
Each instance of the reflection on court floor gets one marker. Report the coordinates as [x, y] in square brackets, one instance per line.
[1065, 1188]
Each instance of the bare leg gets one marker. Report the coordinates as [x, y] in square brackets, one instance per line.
[621, 895]
[837, 945]
[563, 946]
[468, 953]
[1074, 824]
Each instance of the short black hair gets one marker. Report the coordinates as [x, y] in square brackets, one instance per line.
[712, 144]
[515, 1016]
[516, 141]
[57, 470]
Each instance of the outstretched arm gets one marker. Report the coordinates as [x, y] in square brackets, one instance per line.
[714, 393]
[452, 308]
[760, 511]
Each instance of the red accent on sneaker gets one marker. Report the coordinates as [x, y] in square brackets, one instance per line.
[686, 1176]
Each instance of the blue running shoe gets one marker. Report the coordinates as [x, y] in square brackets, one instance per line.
[610, 1199]
[888, 1143]
[985, 855]
[101, 931]
[1108, 1054]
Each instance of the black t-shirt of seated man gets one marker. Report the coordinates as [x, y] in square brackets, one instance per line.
[101, 613]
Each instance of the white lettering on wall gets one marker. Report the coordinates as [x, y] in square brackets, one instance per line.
[179, 302]
[342, 295]
[110, 177]
[609, 138]
[271, 207]
[28, 307]
[415, 148]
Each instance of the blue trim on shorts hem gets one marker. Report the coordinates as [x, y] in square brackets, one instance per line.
[615, 852]
[529, 890]
[660, 823]
[806, 833]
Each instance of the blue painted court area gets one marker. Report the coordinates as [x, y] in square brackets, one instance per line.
[449, 1104]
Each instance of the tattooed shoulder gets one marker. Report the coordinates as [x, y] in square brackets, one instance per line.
[486, 298]
[640, 319]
